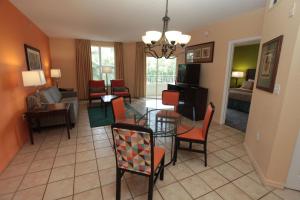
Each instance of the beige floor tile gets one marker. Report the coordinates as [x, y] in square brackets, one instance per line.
[35, 179]
[213, 178]
[100, 137]
[86, 182]
[68, 142]
[156, 196]
[237, 150]
[85, 147]
[109, 191]
[228, 172]
[212, 147]
[180, 171]
[242, 166]
[10, 185]
[224, 155]
[94, 194]
[174, 192]
[253, 189]
[85, 167]
[210, 196]
[137, 185]
[35, 193]
[107, 176]
[66, 150]
[213, 161]
[61, 173]
[231, 192]
[6, 196]
[106, 162]
[168, 179]
[103, 152]
[271, 196]
[196, 165]
[85, 156]
[59, 189]
[40, 165]
[45, 154]
[85, 139]
[15, 170]
[29, 148]
[22, 158]
[67, 198]
[221, 143]
[195, 186]
[101, 144]
[64, 160]
[287, 194]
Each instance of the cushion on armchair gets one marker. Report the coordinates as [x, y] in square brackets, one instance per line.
[120, 89]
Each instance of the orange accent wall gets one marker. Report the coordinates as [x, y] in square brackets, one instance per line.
[16, 30]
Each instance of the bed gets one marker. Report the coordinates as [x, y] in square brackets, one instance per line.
[240, 98]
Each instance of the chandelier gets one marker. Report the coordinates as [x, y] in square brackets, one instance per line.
[166, 41]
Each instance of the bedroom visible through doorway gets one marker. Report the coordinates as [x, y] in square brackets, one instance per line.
[242, 76]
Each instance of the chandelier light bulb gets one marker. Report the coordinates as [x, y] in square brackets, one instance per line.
[173, 36]
[146, 39]
[153, 35]
[184, 39]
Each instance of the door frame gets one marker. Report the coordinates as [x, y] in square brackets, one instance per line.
[232, 44]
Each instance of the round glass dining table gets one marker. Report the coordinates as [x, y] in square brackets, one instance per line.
[166, 125]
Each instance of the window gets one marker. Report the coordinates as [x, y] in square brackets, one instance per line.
[102, 57]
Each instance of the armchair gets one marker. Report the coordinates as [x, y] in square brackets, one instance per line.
[118, 88]
[96, 90]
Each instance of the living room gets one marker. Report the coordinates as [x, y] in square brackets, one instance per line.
[263, 159]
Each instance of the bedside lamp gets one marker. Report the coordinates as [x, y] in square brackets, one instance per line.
[106, 70]
[56, 75]
[33, 78]
[237, 75]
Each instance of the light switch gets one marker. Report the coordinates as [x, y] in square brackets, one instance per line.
[277, 89]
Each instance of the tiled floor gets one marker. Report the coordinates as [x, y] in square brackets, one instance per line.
[84, 168]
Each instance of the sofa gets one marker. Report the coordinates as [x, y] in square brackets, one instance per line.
[53, 95]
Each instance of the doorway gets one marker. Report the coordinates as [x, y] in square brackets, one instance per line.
[241, 71]
[159, 73]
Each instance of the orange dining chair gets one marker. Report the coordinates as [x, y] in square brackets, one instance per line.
[96, 90]
[135, 153]
[119, 112]
[195, 135]
[170, 98]
[118, 88]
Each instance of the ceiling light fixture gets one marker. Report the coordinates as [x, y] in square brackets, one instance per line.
[167, 40]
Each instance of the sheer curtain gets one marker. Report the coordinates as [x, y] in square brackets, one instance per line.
[140, 71]
[83, 66]
[119, 60]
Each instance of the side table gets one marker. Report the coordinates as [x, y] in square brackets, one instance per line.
[48, 109]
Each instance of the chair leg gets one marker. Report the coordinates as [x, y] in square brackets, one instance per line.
[205, 155]
[191, 146]
[118, 184]
[150, 188]
[175, 150]
[161, 176]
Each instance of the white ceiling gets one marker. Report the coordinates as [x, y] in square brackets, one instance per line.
[126, 20]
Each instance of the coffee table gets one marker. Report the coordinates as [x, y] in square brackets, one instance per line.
[106, 100]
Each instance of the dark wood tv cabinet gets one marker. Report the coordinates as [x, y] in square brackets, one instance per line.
[193, 100]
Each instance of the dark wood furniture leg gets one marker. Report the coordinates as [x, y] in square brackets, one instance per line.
[105, 109]
[67, 119]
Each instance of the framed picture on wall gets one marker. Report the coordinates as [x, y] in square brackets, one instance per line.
[200, 53]
[269, 60]
[33, 58]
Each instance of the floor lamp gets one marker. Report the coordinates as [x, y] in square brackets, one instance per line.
[106, 70]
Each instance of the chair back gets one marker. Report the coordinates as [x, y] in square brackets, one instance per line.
[207, 119]
[118, 108]
[117, 83]
[133, 146]
[170, 98]
[97, 84]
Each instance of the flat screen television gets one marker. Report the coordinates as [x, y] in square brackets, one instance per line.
[188, 74]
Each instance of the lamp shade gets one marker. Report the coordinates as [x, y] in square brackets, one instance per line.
[33, 78]
[236, 74]
[153, 35]
[184, 39]
[173, 36]
[55, 73]
[106, 69]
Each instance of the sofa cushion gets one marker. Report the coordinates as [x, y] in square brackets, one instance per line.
[55, 93]
[33, 102]
[74, 107]
[46, 97]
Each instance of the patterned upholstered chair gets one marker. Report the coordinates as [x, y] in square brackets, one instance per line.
[119, 113]
[118, 88]
[135, 153]
[195, 135]
[96, 90]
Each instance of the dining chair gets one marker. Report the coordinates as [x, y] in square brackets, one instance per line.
[118, 88]
[135, 153]
[195, 135]
[170, 98]
[119, 113]
[96, 90]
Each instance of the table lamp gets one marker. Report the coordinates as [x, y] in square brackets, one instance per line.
[106, 70]
[56, 75]
[33, 78]
[237, 75]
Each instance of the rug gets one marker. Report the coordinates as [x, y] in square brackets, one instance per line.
[236, 119]
[97, 115]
